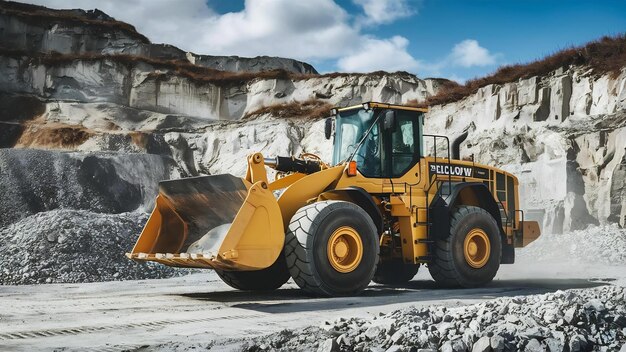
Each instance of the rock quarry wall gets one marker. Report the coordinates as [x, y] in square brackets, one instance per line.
[566, 142]
[568, 125]
[143, 86]
[563, 135]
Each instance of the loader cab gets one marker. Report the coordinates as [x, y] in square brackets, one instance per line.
[384, 140]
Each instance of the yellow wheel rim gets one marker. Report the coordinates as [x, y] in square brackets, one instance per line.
[477, 248]
[345, 249]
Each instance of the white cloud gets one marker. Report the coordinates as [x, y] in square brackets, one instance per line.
[298, 29]
[463, 55]
[469, 53]
[376, 54]
[384, 11]
[312, 30]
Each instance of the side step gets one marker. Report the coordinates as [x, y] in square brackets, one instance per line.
[424, 259]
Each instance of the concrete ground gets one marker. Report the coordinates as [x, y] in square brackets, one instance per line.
[200, 311]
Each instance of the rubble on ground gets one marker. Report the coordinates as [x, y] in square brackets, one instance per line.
[74, 246]
[596, 244]
[573, 320]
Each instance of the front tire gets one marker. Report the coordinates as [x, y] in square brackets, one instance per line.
[470, 256]
[332, 248]
[270, 278]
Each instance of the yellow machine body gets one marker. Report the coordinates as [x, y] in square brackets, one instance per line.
[238, 224]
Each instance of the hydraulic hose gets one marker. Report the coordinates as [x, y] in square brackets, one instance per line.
[291, 164]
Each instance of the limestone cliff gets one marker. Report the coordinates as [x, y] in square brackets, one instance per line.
[562, 134]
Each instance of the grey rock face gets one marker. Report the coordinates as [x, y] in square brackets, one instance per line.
[255, 64]
[33, 181]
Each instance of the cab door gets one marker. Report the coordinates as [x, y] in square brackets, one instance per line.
[401, 147]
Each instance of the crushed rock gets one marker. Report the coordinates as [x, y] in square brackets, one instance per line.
[596, 244]
[573, 320]
[72, 246]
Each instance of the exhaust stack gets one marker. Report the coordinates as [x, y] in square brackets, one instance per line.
[456, 145]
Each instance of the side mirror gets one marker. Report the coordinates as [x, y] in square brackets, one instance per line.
[328, 127]
[389, 122]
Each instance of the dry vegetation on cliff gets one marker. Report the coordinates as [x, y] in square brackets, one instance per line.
[52, 137]
[182, 68]
[312, 108]
[606, 55]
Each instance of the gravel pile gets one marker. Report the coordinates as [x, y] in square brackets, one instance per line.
[573, 320]
[596, 244]
[74, 246]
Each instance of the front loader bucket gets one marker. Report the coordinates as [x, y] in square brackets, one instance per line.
[220, 221]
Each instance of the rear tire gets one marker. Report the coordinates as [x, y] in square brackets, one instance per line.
[395, 272]
[318, 261]
[270, 278]
[453, 264]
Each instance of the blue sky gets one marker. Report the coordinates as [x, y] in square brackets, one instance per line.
[513, 31]
[443, 38]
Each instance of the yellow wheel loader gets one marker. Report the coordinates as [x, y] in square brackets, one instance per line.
[378, 212]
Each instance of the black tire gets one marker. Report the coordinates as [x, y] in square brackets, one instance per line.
[306, 252]
[395, 272]
[449, 267]
[267, 279]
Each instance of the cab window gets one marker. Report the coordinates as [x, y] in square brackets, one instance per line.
[404, 144]
[368, 158]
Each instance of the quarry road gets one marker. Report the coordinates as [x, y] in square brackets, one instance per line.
[199, 310]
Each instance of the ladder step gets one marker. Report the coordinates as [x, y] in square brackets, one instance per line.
[424, 258]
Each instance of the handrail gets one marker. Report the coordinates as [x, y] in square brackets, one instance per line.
[505, 211]
[434, 180]
[435, 137]
[522, 220]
